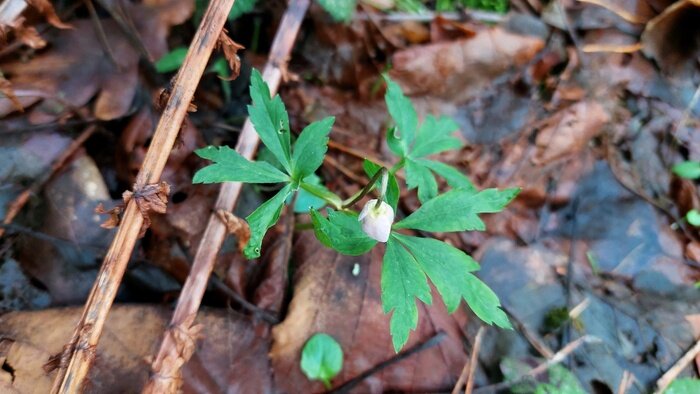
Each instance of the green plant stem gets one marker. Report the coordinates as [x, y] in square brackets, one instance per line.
[358, 196]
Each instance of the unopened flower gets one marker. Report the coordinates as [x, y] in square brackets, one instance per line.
[376, 220]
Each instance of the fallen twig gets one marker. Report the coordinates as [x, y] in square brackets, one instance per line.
[467, 374]
[427, 344]
[668, 377]
[79, 353]
[14, 208]
[164, 369]
[558, 357]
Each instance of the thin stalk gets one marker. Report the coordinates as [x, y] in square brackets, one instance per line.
[368, 188]
[171, 356]
[80, 352]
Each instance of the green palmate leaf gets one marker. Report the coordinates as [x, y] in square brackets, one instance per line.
[264, 217]
[446, 266]
[403, 113]
[402, 282]
[241, 7]
[321, 358]
[392, 189]
[458, 210]
[684, 386]
[270, 119]
[435, 136]
[452, 175]
[418, 176]
[341, 231]
[310, 148]
[230, 166]
[340, 10]
[172, 60]
[687, 169]
[320, 191]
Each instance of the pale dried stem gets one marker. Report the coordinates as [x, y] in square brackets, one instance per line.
[164, 372]
[670, 375]
[557, 358]
[79, 353]
[467, 375]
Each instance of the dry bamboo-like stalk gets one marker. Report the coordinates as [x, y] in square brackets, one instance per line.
[79, 353]
[175, 348]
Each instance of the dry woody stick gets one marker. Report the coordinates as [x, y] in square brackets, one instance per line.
[173, 351]
[79, 353]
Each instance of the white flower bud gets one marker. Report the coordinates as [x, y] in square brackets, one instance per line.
[377, 220]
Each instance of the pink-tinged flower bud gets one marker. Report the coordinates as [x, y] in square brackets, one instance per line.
[377, 220]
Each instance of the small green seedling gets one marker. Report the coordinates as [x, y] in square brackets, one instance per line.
[409, 261]
[684, 386]
[693, 217]
[322, 358]
[687, 169]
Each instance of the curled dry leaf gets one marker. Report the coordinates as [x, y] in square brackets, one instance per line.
[45, 8]
[6, 89]
[235, 226]
[228, 351]
[151, 197]
[113, 220]
[569, 130]
[459, 70]
[672, 39]
[169, 379]
[230, 49]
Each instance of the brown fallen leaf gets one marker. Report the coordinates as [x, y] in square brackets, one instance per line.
[151, 197]
[340, 295]
[235, 226]
[672, 38]
[459, 70]
[75, 68]
[228, 350]
[114, 215]
[45, 8]
[230, 49]
[569, 130]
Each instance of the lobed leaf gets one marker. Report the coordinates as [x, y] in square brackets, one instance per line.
[435, 136]
[402, 282]
[264, 217]
[269, 116]
[342, 232]
[310, 148]
[446, 266]
[402, 111]
[418, 176]
[458, 210]
[452, 175]
[230, 166]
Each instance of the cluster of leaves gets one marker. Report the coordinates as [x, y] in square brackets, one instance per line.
[409, 261]
[689, 170]
[298, 162]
